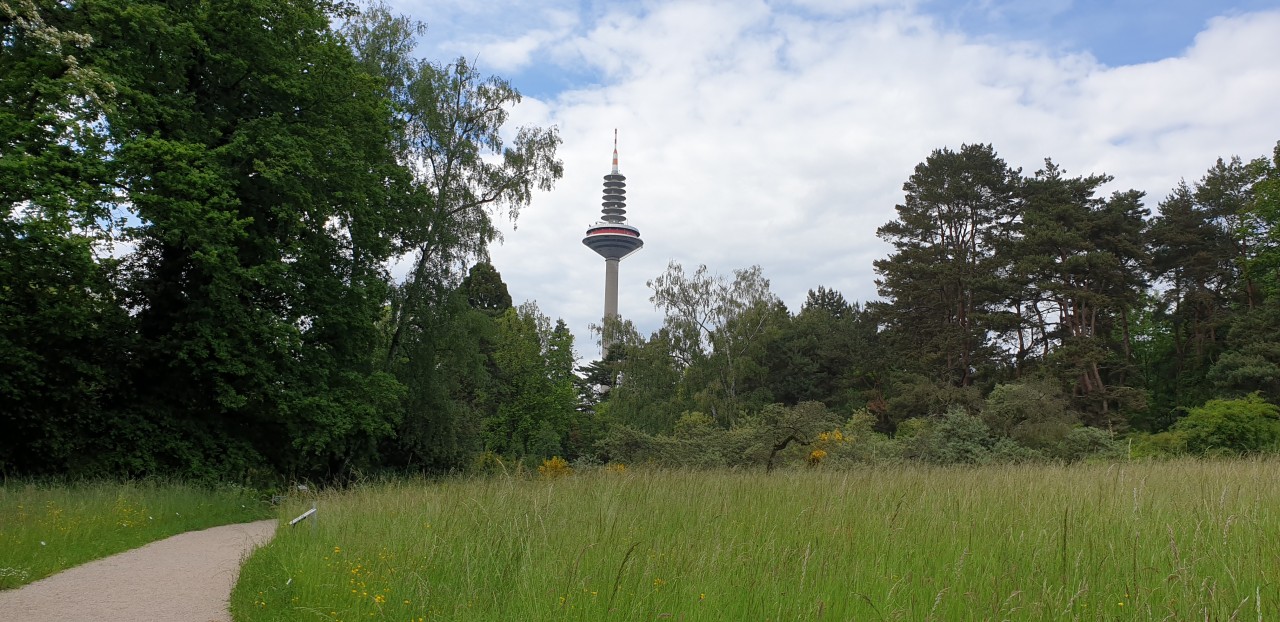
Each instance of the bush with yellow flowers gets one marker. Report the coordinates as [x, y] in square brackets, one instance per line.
[554, 467]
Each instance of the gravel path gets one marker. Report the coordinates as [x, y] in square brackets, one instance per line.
[186, 578]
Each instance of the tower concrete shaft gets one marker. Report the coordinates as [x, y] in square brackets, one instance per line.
[611, 288]
[612, 238]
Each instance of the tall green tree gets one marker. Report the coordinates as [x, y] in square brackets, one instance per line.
[531, 408]
[1250, 361]
[441, 426]
[449, 125]
[718, 328]
[485, 291]
[942, 285]
[451, 122]
[253, 155]
[1264, 222]
[1082, 261]
[62, 330]
[828, 352]
[641, 381]
[1206, 244]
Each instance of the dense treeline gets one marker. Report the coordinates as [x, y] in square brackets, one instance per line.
[1021, 316]
[204, 201]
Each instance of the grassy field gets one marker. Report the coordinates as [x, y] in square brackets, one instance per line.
[1161, 541]
[44, 529]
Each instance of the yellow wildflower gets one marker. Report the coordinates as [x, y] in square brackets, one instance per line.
[555, 466]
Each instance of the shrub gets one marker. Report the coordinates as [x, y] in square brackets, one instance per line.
[911, 428]
[954, 438]
[545, 441]
[859, 443]
[919, 397]
[624, 443]
[693, 424]
[780, 426]
[487, 463]
[1028, 409]
[1245, 425]
[1007, 451]
[1085, 442]
[554, 467]
[1162, 445]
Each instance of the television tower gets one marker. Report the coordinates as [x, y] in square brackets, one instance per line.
[613, 239]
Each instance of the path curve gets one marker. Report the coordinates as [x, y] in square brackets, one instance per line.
[184, 578]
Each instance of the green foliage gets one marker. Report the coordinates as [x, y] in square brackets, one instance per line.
[233, 288]
[62, 330]
[485, 290]
[956, 437]
[718, 329]
[1159, 445]
[450, 120]
[1084, 256]
[781, 426]
[862, 444]
[917, 397]
[252, 326]
[1210, 244]
[643, 380]
[62, 335]
[627, 445]
[52, 143]
[479, 375]
[940, 285]
[829, 352]
[1252, 360]
[1238, 426]
[1083, 443]
[776, 435]
[530, 407]
[699, 443]
[1159, 371]
[1262, 220]
[693, 425]
[911, 428]
[1035, 413]
[262, 199]
[442, 370]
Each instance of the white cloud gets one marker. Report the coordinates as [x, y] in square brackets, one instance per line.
[754, 133]
[846, 7]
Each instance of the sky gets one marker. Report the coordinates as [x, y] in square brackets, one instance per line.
[779, 133]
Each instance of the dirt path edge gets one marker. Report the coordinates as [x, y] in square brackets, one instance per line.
[184, 578]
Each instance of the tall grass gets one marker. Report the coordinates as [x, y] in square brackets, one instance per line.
[1177, 541]
[45, 529]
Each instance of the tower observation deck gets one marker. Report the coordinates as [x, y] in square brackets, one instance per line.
[611, 237]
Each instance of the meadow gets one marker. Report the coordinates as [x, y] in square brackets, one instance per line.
[45, 528]
[1180, 540]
